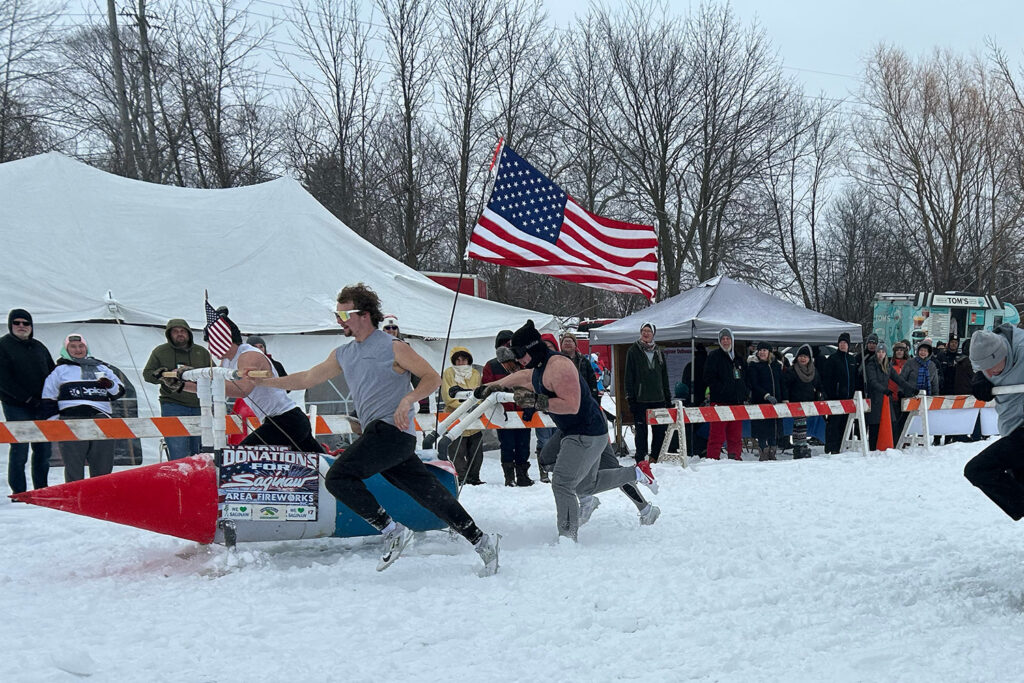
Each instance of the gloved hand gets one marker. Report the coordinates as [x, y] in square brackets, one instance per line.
[485, 390]
[159, 373]
[771, 399]
[454, 390]
[525, 398]
[181, 371]
[173, 384]
[981, 387]
[104, 382]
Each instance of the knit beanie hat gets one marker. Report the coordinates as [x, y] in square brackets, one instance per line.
[73, 337]
[764, 346]
[844, 337]
[253, 340]
[872, 338]
[390, 320]
[654, 328]
[804, 350]
[988, 349]
[504, 337]
[926, 343]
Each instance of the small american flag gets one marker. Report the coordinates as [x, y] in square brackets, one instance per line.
[217, 333]
[530, 223]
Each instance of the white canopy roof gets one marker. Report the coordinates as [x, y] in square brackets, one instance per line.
[701, 312]
[83, 244]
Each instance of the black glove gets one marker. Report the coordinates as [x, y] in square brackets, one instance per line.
[104, 382]
[173, 384]
[981, 387]
[454, 390]
[181, 371]
[485, 390]
[525, 398]
[771, 399]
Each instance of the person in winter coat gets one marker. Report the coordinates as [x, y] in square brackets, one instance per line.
[179, 351]
[877, 373]
[725, 374]
[998, 360]
[81, 386]
[900, 357]
[514, 443]
[646, 387]
[802, 384]
[764, 377]
[261, 344]
[839, 382]
[922, 372]
[583, 364]
[946, 361]
[24, 366]
[462, 376]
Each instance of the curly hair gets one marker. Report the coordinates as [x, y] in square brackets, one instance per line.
[364, 299]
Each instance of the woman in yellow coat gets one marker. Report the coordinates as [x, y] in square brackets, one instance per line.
[468, 448]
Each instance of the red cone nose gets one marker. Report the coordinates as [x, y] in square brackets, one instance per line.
[177, 498]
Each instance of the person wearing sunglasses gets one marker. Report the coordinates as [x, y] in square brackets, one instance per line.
[390, 326]
[24, 366]
[378, 369]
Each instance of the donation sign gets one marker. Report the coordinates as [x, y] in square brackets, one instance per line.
[268, 483]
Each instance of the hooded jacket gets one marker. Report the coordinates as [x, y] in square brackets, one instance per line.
[170, 357]
[24, 365]
[726, 376]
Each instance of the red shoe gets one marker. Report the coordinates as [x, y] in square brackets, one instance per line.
[645, 477]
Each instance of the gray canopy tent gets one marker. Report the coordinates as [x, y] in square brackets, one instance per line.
[701, 312]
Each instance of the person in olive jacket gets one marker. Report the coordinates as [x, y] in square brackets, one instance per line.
[179, 351]
[646, 387]
[725, 373]
[764, 377]
[24, 366]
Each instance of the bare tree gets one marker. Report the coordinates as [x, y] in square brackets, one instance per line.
[409, 38]
[27, 38]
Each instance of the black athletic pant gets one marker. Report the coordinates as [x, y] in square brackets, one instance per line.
[289, 429]
[834, 427]
[998, 471]
[384, 449]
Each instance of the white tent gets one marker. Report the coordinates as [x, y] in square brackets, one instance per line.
[752, 315]
[115, 258]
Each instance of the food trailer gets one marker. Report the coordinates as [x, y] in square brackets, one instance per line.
[937, 315]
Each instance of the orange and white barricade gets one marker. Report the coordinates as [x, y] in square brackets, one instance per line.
[679, 416]
[930, 416]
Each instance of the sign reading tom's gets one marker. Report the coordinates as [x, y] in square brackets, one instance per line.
[268, 483]
[937, 316]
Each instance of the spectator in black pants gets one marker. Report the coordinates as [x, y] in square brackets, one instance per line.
[24, 365]
[839, 379]
[646, 387]
[998, 359]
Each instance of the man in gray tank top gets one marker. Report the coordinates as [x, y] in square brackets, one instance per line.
[378, 368]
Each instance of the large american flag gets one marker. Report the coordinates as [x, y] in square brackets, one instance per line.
[217, 333]
[530, 223]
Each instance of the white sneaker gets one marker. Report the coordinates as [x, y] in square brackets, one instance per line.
[394, 543]
[587, 506]
[487, 549]
[649, 515]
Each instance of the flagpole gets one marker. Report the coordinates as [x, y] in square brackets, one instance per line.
[462, 262]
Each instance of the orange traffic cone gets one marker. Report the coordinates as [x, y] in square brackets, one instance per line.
[885, 427]
[177, 498]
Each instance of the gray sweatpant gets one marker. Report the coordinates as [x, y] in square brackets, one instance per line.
[577, 474]
[549, 456]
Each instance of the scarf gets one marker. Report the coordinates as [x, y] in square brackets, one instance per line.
[647, 348]
[462, 373]
[89, 365]
[805, 373]
[924, 378]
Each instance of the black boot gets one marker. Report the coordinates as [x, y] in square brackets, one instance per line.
[510, 473]
[544, 477]
[522, 478]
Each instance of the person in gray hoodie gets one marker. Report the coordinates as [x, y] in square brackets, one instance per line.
[998, 360]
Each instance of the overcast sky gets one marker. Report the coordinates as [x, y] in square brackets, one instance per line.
[823, 42]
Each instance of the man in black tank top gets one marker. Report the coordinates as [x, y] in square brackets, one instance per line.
[552, 383]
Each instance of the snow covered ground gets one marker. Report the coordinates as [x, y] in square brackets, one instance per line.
[838, 568]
